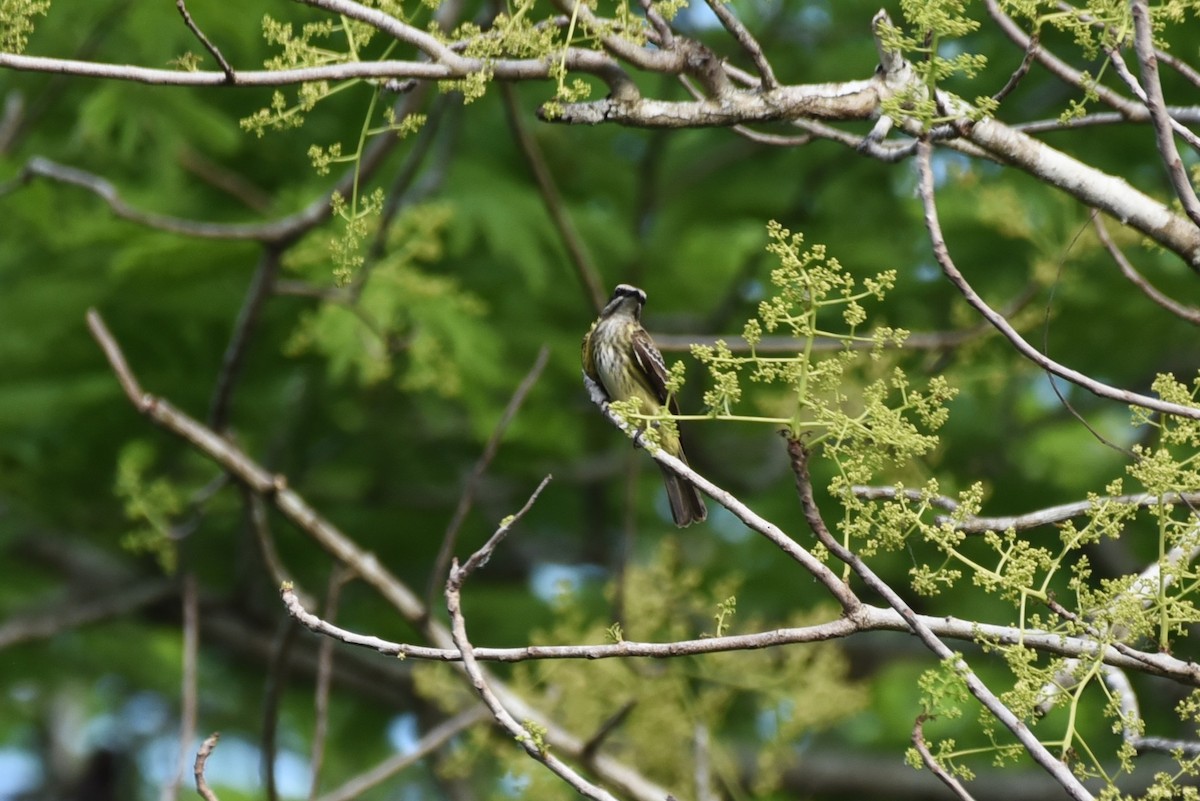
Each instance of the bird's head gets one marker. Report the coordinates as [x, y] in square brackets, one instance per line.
[626, 299]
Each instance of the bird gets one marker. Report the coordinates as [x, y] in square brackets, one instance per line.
[621, 358]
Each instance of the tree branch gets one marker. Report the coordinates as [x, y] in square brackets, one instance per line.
[530, 738]
[431, 742]
[1189, 313]
[942, 254]
[918, 740]
[1055, 767]
[206, 749]
[208, 45]
[1143, 43]
[289, 503]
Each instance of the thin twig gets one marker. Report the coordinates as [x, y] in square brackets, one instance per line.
[1059, 68]
[256, 510]
[274, 488]
[592, 746]
[467, 498]
[11, 119]
[276, 683]
[849, 602]
[942, 254]
[188, 692]
[665, 36]
[1134, 86]
[533, 744]
[1179, 65]
[481, 556]
[702, 760]
[552, 199]
[1013, 80]
[867, 618]
[230, 76]
[101, 604]
[437, 737]
[774, 140]
[529, 736]
[259, 291]
[233, 183]
[1143, 43]
[281, 231]
[1041, 517]
[920, 340]
[255, 477]
[338, 578]
[445, 65]
[206, 749]
[1055, 767]
[918, 740]
[1131, 719]
[274, 231]
[1189, 313]
[747, 42]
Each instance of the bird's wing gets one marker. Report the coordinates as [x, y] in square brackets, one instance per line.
[650, 361]
[589, 365]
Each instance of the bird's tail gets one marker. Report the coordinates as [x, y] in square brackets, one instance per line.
[687, 506]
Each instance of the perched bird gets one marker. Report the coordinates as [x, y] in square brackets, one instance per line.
[621, 358]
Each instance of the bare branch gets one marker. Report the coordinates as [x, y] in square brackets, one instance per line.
[102, 604]
[592, 746]
[481, 556]
[588, 61]
[552, 199]
[942, 254]
[851, 100]
[39, 167]
[338, 578]
[1114, 196]
[918, 740]
[259, 291]
[774, 140]
[431, 742]
[1059, 68]
[533, 742]
[707, 645]
[208, 45]
[481, 465]
[1123, 71]
[849, 602]
[273, 692]
[1131, 719]
[188, 692]
[702, 760]
[258, 480]
[1042, 517]
[274, 488]
[747, 42]
[1055, 767]
[1019, 73]
[662, 29]
[920, 340]
[1188, 114]
[868, 618]
[10, 119]
[1143, 43]
[1189, 313]
[206, 749]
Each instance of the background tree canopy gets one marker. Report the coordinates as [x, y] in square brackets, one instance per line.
[347, 252]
